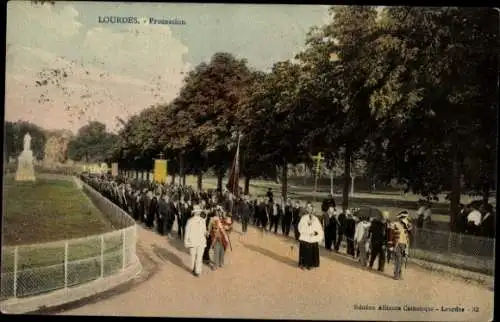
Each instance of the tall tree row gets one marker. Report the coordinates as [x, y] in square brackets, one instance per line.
[410, 91]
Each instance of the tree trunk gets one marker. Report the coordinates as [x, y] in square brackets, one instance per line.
[284, 181]
[455, 192]
[220, 176]
[200, 180]
[183, 179]
[247, 185]
[172, 179]
[352, 185]
[347, 177]
[331, 181]
[486, 193]
[181, 168]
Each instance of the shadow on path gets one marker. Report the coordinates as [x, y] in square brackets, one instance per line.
[350, 261]
[168, 256]
[270, 254]
[178, 244]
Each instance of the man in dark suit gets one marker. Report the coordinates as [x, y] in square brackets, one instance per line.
[263, 214]
[378, 240]
[269, 195]
[162, 215]
[340, 229]
[330, 227]
[327, 203]
[274, 210]
[245, 214]
[296, 214]
[350, 229]
[287, 218]
[153, 209]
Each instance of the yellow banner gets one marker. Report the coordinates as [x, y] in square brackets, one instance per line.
[160, 171]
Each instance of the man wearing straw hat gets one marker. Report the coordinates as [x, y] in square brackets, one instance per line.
[195, 239]
[401, 238]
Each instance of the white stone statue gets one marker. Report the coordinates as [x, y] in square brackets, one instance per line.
[25, 168]
[27, 142]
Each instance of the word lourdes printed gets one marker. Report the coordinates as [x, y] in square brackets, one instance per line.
[140, 20]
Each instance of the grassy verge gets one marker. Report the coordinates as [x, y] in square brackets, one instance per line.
[47, 211]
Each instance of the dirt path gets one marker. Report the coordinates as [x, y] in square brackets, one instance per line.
[261, 280]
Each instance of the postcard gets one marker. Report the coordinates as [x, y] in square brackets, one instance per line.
[304, 162]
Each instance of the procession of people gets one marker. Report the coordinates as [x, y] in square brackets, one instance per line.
[205, 221]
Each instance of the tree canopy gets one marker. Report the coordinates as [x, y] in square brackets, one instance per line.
[405, 93]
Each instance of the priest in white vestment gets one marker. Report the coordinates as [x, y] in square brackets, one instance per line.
[311, 233]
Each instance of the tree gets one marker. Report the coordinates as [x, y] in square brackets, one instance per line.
[14, 134]
[343, 88]
[452, 72]
[92, 143]
[273, 116]
[210, 98]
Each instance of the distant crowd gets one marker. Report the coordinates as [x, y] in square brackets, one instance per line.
[367, 237]
[159, 206]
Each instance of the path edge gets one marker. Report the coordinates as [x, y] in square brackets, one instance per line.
[72, 294]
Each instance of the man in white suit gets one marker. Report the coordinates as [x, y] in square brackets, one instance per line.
[195, 238]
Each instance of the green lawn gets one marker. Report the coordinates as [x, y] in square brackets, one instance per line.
[49, 210]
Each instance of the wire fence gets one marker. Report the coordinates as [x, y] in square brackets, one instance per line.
[463, 251]
[35, 269]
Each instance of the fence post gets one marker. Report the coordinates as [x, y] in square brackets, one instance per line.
[102, 256]
[16, 251]
[123, 249]
[66, 244]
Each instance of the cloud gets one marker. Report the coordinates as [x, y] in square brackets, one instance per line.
[146, 50]
[110, 72]
[40, 25]
[101, 94]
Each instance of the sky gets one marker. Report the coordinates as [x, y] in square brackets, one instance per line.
[118, 69]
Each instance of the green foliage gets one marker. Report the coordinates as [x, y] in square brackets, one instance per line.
[403, 94]
[92, 143]
[14, 135]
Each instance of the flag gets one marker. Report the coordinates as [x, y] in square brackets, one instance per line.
[234, 175]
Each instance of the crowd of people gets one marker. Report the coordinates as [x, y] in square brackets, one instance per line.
[205, 220]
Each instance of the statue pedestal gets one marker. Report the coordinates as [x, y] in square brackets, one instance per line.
[25, 168]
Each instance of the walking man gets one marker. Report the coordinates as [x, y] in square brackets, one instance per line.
[378, 240]
[361, 237]
[330, 226]
[245, 214]
[349, 231]
[401, 236]
[295, 219]
[195, 239]
[287, 218]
